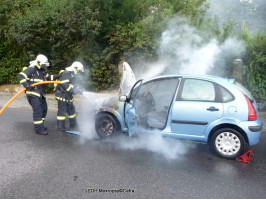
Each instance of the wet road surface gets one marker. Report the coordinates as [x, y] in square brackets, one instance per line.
[63, 165]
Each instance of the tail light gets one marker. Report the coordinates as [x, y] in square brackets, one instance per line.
[252, 115]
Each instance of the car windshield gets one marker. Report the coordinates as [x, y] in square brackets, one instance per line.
[244, 91]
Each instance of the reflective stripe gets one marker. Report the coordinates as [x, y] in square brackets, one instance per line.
[36, 80]
[38, 122]
[23, 80]
[69, 88]
[62, 99]
[61, 117]
[23, 74]
[59, 98]
[75, 71]
[43, 119]
[72, 116]
[38, 65]
[52, 77]
[33, 93]
[65, 81]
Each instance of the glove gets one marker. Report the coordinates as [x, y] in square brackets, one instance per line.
[30, 87]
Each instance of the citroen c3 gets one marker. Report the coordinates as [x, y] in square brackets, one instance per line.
[213, 110]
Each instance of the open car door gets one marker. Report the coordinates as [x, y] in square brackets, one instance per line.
[130, 108]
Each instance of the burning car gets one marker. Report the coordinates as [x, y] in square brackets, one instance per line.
[209, 109]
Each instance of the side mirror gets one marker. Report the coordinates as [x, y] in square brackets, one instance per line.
[123, 98]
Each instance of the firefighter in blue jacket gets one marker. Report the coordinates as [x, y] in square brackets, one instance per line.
[64, 94]
[37, 72]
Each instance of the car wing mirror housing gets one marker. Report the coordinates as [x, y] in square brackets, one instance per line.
[123, 98]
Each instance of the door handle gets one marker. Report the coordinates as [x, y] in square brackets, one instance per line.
[212, 108]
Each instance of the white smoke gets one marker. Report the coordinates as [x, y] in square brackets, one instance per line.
[91, 102]
[170, 149]
[86, 120]
[183, 50]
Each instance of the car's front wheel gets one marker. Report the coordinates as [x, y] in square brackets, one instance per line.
[228, 143]
[105, 125]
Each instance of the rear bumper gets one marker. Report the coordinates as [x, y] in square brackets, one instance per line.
[253, 130]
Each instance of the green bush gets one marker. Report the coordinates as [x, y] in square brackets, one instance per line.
[255, 65]
[104, 76]
[11, 63]
[100, 32]
[57, 28]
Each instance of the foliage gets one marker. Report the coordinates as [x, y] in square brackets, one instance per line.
[255, 64]
[57, 28]
[131, 29]
[11, 63]
[105, 76]
[101, 32]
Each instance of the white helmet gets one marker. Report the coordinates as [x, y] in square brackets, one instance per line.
[78, 66]
[42, 60]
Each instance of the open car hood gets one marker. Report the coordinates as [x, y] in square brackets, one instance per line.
[127, 80]
[107, 101]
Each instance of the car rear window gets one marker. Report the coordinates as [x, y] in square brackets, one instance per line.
[226, 95]
[244, 90]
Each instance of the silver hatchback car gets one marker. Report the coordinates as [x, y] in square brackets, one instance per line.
[208, 109]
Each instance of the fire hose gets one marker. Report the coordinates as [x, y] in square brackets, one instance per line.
[20, 92]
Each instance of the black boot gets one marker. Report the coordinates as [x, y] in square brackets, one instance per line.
[45, 127]
[73, 123]
[61, 125]
[41, 131]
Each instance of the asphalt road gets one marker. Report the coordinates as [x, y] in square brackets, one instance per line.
[63, 165]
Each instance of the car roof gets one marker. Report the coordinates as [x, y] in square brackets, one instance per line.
[217, 79]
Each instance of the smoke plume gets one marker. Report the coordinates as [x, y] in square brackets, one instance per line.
[182, 50]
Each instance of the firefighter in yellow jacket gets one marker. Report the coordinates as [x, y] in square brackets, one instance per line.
[64, 94]
[37, 72]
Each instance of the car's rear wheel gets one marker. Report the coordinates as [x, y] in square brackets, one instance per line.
[105, 125]
[228, 143]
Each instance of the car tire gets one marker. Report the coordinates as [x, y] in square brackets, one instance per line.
[105, 125]
[228, 143]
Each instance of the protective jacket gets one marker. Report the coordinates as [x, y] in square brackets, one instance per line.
[35, 95]
[35, 74]
[64, 95]
[65, 90]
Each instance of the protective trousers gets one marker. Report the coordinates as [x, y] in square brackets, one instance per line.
[39, 107]
[65, 107]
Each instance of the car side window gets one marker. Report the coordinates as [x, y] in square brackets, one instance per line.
[133, 93]
[226, 95]
[153, 102]
[132, 96]
[159, 92]
[198, 90]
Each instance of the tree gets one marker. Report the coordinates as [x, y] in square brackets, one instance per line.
[59, 29]
[137, 26]
[255, 64]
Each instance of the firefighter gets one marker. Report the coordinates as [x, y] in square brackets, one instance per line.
[64, 94]
[37, 72]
